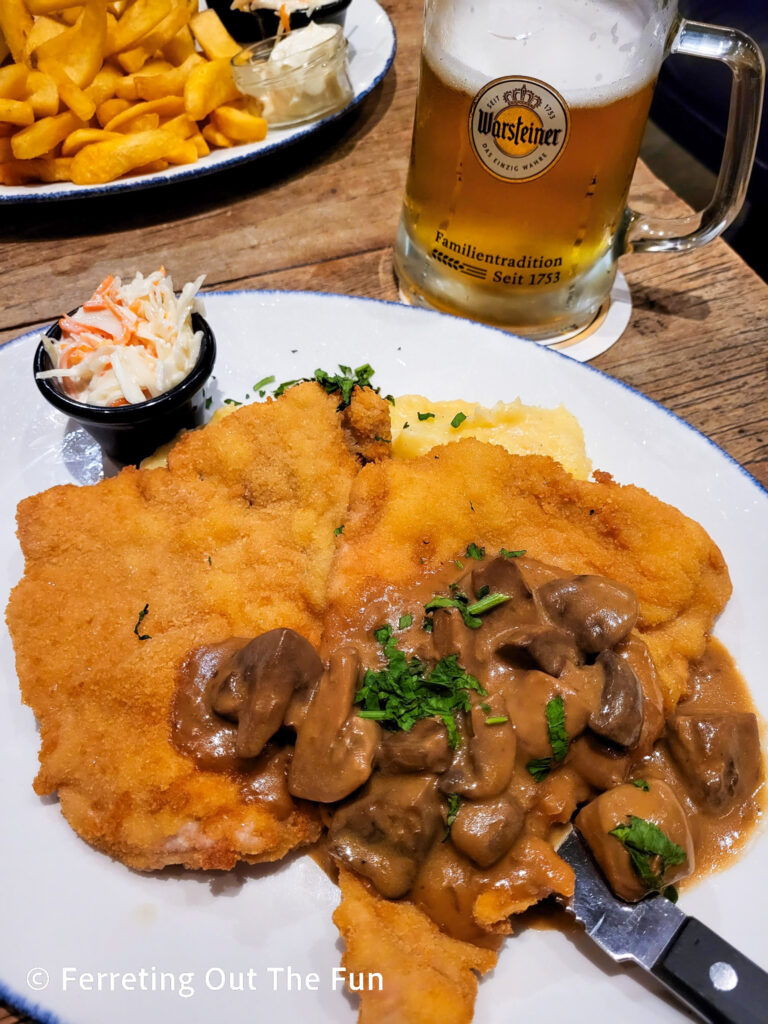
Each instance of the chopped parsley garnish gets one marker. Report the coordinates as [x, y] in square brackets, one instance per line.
[483, 591]
[651, 852]
[404, 692]
[339, 530]
[486, 708]
[232, 401]
[390, 399]
[454, 802]
[406, 425]
[458, 419]
[208, 402]
[263, 383]
[344, 382]
[425, 416]
[469, 612]
[486, 603]
[142, 613]
[458, 563]
[641, 784]
[209, 563]
[540, 767]
[405, 621]
[384, 439]
[427, 625]
[473, 551]
[512, 554]
[497, 720]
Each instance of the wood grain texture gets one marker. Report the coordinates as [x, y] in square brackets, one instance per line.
[321, 216]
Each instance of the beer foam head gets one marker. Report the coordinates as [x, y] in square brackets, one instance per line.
[591, 51]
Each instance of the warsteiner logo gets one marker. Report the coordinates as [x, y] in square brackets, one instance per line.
[518, 128]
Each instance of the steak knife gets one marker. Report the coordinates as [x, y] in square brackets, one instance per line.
[702, 970]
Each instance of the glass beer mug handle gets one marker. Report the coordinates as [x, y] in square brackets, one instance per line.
[741, 54]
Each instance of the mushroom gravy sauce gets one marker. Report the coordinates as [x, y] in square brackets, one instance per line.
[525, 698]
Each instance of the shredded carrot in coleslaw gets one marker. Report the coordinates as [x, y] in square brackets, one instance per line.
[127, 343]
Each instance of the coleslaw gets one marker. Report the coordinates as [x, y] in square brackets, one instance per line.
[127, 343]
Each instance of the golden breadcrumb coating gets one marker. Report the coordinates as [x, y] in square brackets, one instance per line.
[426, 975]
[234, 537]
[407, 518]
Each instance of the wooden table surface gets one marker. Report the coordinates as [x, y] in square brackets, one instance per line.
[322, 217]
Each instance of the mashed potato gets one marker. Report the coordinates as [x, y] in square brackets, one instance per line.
[521, 429]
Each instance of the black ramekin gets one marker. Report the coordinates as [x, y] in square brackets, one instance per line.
[253, 26]
[128, 433]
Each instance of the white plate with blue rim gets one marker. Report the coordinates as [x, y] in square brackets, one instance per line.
[84, 940]
[372, 45]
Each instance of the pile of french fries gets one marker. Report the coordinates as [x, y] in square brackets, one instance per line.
[92, 90]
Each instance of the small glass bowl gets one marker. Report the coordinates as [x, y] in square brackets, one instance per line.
[128, 433]
[293, 95]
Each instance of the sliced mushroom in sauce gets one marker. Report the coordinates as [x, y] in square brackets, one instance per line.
[335, 748]
[386, 832]
[437, 805]
[599, 613]
[718, 754]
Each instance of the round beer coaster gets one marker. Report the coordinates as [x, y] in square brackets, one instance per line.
[605, 330]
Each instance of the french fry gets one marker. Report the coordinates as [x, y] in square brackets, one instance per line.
[79, 49]
[7, 130]
[42, 94]
[42, 136]
[15, 25]
[172, 23]
[85, 137]
[109, 108]
[126, 87]
[167, 83]
[216, 138]
[42, 30]
[4, 48]
[154, 168]
[142, 123]
[51, 6]
[169, 106]
[16, 112]
[72, 96]
[103, 86]
[139, 19]
[70, 15]
[105, 161]
[239, 125]
[18, 172]
[180, 47]
[208, 86]
[215, 41]
[182, 125]
[202, 147]
[6, 153]
[13, 82]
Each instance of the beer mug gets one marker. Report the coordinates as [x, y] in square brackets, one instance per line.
[529, 119]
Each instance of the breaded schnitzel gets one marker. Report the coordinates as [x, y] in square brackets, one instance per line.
[426, 975]
[406, 519]
[234, 538]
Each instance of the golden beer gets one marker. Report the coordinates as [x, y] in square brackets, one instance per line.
[528, 125]
[492, 238]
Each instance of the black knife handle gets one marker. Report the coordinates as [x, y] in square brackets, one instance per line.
[716, 981]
